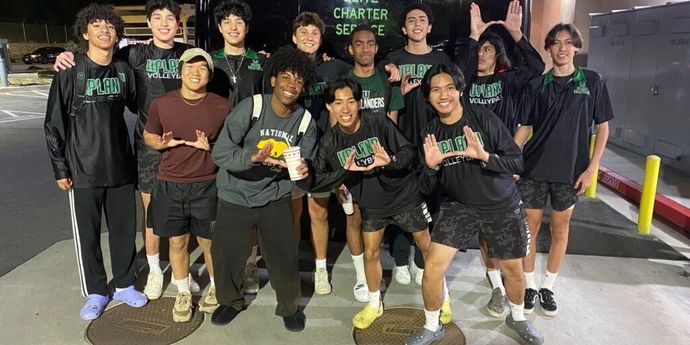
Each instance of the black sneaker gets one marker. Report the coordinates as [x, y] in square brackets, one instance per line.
[223, 315]
[530, 300]
[295, 322]
[548, 303]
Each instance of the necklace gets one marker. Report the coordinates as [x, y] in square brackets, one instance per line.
[235, 72]
[192, 104]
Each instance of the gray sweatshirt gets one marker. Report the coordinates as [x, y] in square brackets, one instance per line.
[244, 183]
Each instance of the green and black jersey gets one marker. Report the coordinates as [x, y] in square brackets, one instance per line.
[237, 77]
[378, 95]
[561, 111]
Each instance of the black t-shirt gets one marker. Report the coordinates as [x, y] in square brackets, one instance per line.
[92, 147]
[484, 186]
[156, 72]
[379, 192]
[237, 85]
[561, 111]
[417, 112]
[500, 91]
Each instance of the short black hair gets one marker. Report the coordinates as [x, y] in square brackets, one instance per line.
[417, 6]
[362, 27]
[502, 60]
[170, 5]
[289, 59]
[450, 69]
[570, 28]
[342, 83]
[234, 7]
[94, 13]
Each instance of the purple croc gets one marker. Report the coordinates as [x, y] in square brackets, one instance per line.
[94, 306]
[131, 297]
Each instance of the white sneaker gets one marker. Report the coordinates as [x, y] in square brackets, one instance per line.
[250, 280]
[402, 274]
[321, 284]
[418, 277]
[154, 285]
[361, 291]
[182, 311]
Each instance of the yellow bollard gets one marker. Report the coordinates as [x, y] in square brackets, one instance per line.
[651, 177]
[591, 191]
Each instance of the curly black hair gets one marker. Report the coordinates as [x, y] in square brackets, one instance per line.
[234, 7]
[289, 59]
[170, 5]
[94, 13]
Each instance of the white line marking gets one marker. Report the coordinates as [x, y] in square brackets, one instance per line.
[10, 113]
[21, 119]
[29, 96]
[23, 112]
[40, 93]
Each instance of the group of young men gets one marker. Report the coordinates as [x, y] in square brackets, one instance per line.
[437, 158]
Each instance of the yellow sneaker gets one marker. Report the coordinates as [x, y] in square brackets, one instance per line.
[367, 316]
[446, 313]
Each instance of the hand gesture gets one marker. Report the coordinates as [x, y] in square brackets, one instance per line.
[341, 193]
[406, 86]
[302, 169]
[513, 20]
[432, 154]
[474, 146]
[63, 61]
[168, 141]
[477, 24]
[584, 180]
[264, 156]
[65, 183]
[393, 72]
[381, 159]
[201, 142]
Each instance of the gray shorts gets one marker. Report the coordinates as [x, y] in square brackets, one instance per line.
[148, 160]
[413, 220]
[534, 194]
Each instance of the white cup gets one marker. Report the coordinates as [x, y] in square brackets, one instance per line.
[348, 206]
[293, 159]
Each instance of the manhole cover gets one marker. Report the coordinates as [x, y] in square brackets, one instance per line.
[149, 325]
[396, 324]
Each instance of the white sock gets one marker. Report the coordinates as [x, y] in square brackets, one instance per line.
[446, 294]
[496, 281]
[213, 281]
[119, 289]
[375, 299]
[517, 311]
[549, 279]
[358, 262]
[432, 319]
[320, 263]
[154, 263]
[182, 284]
[252, 256]
[529, 280]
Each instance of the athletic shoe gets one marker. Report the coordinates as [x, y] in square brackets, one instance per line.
[193, 285]
[497, 304]
[321, 284]
[154, 285]
[94, 306]
[530, 300]
[295, 322]
[250, 281]
[547, 302]
[182, 311]
[402, 274]
[446, 315]
[131, 297]
[419, 275]
[367, 316]
[361, 292]
[209, 303]
[525, 330]
[425, 337]
[223, 315]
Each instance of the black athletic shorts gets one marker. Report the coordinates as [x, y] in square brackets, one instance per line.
[534, 194]
[148, 160]
[506, 232]
[412, 220]
[182, 208]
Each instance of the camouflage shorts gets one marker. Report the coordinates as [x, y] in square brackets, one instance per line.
[506, 232]
[413, 220]
[148, 160]
[534, 194]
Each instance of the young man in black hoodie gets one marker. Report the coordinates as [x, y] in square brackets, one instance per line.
[92, 157]
[469, 153]
[374, 160]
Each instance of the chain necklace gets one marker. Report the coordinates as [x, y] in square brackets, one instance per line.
[193, 104]
[235, 72]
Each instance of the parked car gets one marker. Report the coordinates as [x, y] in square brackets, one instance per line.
[42, 55]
